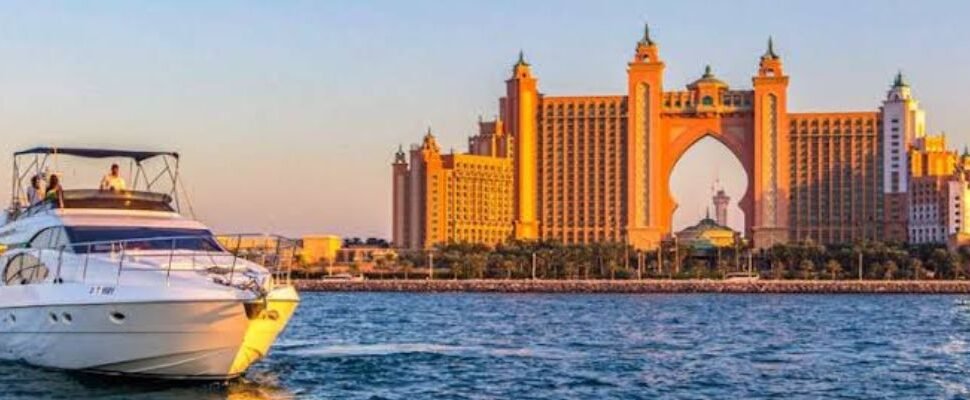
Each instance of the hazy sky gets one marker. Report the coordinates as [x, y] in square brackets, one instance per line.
[287, 113]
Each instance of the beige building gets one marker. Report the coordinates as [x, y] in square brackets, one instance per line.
[310, 249]
[320, 248]
[938, 192]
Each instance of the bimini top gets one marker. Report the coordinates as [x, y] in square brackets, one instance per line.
[98, 153]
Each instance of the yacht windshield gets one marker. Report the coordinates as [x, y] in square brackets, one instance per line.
[109, 238]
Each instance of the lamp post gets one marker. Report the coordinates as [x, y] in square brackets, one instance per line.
[430, 265]
[533, 265]
[626, 253]
[860, 265]
[639, 265]
[750, 266]
[676, 256]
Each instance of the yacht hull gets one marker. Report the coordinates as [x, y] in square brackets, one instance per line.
[213, 339]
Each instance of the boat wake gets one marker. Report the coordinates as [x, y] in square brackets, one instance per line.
[387, 349]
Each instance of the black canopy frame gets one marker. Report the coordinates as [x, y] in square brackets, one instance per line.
[138, 156]
[40, 158]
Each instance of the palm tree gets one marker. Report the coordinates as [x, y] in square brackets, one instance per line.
[944, 263]
[477, 263]
[875, 271]
[778, 258]
[508, 265]
[777, 269]
[890, 269]
[834, 268]
[917, 267]
[405, 265]
[807, 268]
[697, 268]
[963, 258]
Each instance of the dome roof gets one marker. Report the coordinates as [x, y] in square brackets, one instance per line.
[706, 224]
[707, 233]
[708, 78]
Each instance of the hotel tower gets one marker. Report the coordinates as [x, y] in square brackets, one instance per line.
[585, 169]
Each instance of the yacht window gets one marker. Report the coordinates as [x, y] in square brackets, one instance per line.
[42, 240]
[100, 239]
[59, 238]
[53, 237]
[24, 269]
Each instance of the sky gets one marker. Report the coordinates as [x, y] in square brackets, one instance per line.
[287, 113]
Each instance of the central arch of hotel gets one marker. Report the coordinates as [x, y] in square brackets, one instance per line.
[740, 145]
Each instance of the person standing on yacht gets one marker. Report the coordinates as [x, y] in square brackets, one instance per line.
[113, 181]
[35, 194]
[55, 192]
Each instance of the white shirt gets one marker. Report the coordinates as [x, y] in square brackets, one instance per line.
[34, 195]
[111, 182]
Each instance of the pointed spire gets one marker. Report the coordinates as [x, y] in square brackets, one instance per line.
[429, 141]
[899, 81]
[521, 60]
[966, 151]
[646, 35]
[770, 52]
[400, 157]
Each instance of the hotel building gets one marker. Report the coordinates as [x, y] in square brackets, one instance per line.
[584, 169]
[454, 197]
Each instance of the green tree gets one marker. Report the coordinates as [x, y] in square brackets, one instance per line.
[777, 269]
[890, 269]
[963, 259]
[477, 262]
[917, 268]
[944, 264]
[697, 269]
[807, 269]
[875, 270]
[405, 266]
[834, 268]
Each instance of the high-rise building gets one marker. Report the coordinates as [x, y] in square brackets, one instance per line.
[836, 177]
[936, 192]
[454, 197]
[595, 168]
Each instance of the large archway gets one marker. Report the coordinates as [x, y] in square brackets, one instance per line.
[680, 141]
[708, 165]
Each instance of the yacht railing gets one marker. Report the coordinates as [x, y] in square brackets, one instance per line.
[219, 255]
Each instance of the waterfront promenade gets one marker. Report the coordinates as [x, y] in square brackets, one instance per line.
[641, 286]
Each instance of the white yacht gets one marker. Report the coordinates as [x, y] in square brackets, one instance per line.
[123, 283]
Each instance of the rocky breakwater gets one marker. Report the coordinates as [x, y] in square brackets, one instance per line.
[638, 286]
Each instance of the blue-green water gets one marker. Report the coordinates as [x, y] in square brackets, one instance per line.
[489, 346]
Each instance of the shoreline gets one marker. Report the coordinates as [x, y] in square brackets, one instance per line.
[639, 286]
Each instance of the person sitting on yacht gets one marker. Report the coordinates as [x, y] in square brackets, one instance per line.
[55, 193]
[113, 181]
[35, 193]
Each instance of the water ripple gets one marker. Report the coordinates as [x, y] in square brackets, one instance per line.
[490, 346]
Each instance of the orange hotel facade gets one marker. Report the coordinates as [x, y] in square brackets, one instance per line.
[585, 169]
